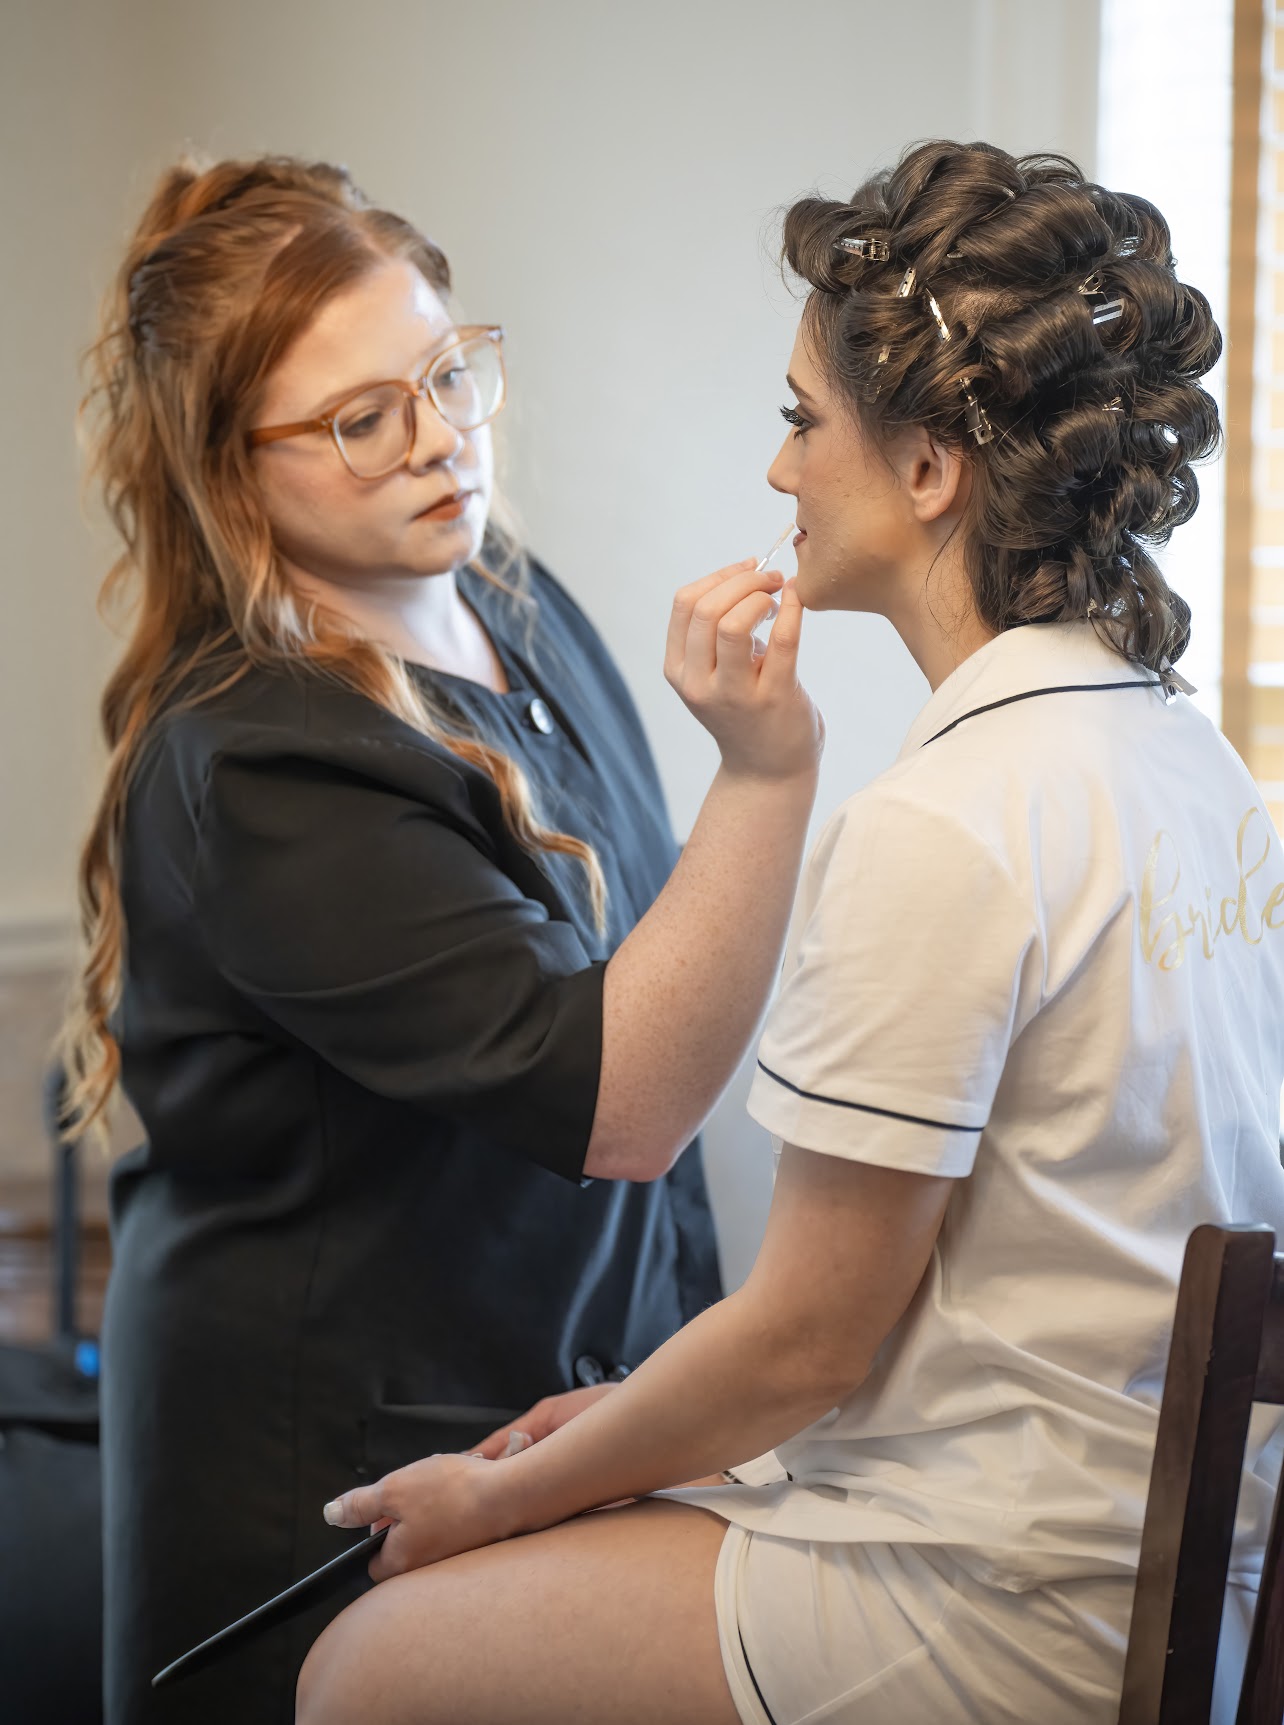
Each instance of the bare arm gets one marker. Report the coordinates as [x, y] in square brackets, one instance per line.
[686, 990]
[846, 1247]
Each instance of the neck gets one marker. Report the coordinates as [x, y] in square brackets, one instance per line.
[935, 615]
[421, 618]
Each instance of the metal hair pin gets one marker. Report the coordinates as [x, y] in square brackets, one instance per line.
[942, 328]
[863, 246]
[974, 415]
[903, 292]
[1092, 288]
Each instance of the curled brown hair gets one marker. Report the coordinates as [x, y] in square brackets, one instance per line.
[1077, 343]
[229, 264]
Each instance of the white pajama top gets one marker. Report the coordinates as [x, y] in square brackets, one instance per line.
[1043, 954]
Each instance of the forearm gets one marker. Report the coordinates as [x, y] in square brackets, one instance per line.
[729, 1386]
[687, 989]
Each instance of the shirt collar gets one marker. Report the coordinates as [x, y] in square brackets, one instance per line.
[1022, 661]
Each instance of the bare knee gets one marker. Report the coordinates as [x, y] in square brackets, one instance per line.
[329, 1686]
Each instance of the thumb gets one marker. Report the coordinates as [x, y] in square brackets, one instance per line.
[787, 631]
[358, 1508]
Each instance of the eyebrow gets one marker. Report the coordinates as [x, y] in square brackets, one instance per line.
[799, 391]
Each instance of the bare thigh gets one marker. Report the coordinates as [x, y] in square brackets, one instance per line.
[609, 1617]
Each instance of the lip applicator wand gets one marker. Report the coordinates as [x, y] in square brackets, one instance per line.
[762, 562]
[763, 630]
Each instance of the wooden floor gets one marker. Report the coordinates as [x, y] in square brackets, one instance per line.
[27, 1301]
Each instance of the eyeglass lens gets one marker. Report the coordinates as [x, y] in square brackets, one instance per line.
[375, 431]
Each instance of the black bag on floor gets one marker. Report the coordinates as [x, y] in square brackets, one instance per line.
[51, 1581]
[51, 1576]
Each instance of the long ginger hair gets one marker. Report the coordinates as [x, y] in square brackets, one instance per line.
[228, 266]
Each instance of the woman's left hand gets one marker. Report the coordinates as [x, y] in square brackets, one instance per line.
[438, 1507]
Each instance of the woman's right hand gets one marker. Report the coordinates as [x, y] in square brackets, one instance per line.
[764, 722]
[542, 1420]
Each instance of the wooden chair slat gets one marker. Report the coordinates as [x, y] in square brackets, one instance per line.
[1214, 1367]
[1270, 1368]
[1262, 1691]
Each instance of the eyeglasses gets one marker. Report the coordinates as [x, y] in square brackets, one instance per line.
[374, 428]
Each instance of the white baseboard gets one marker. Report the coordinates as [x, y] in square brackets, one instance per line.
[39, 941]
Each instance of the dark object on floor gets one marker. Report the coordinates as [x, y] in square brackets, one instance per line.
[51, 1500]
[1227, 1352]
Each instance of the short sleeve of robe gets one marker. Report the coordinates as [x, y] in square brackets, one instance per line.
[900, 995]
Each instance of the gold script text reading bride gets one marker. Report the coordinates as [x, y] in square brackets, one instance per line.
[1165, 931]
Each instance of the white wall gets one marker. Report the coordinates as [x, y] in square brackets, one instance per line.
[604, 178]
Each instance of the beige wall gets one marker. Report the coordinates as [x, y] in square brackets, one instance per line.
[70, 124]
[603, 177]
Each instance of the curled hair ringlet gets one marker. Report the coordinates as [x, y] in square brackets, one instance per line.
[1082, 346]
[227, 267]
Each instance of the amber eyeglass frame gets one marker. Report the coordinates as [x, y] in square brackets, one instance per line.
[469, 335]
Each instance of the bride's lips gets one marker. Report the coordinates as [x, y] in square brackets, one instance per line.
[799, 537]
[449, 509]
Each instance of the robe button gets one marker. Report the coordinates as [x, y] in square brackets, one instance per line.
[589, 1371]
[539, 718]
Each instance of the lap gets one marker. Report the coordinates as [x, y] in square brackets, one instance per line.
[609, 1616]
[875, 1634]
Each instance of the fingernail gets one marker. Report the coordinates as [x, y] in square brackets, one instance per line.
[517, 1442]
[333, 1512]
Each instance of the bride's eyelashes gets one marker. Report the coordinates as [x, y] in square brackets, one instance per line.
[791, 416]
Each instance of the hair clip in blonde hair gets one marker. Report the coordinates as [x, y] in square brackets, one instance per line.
[864, 246]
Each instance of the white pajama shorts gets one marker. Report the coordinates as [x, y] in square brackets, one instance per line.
[854, 1634]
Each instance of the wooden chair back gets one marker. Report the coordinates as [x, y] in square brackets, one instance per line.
[1227, 1353]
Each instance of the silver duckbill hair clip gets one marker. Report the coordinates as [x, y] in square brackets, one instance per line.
[974, 415]
[905, 289]
[864, 246]
[1109, 309]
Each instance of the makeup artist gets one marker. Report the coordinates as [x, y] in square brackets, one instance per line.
[386, 940]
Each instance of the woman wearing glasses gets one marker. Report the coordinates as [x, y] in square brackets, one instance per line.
[380, 939]
[1030, 1035]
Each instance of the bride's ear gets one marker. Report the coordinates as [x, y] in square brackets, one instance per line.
[935, 475]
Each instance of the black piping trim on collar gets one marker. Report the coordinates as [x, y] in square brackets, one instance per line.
[1029, 695]
[867, 1107]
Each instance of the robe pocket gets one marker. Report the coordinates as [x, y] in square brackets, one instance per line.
[397, 1433]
